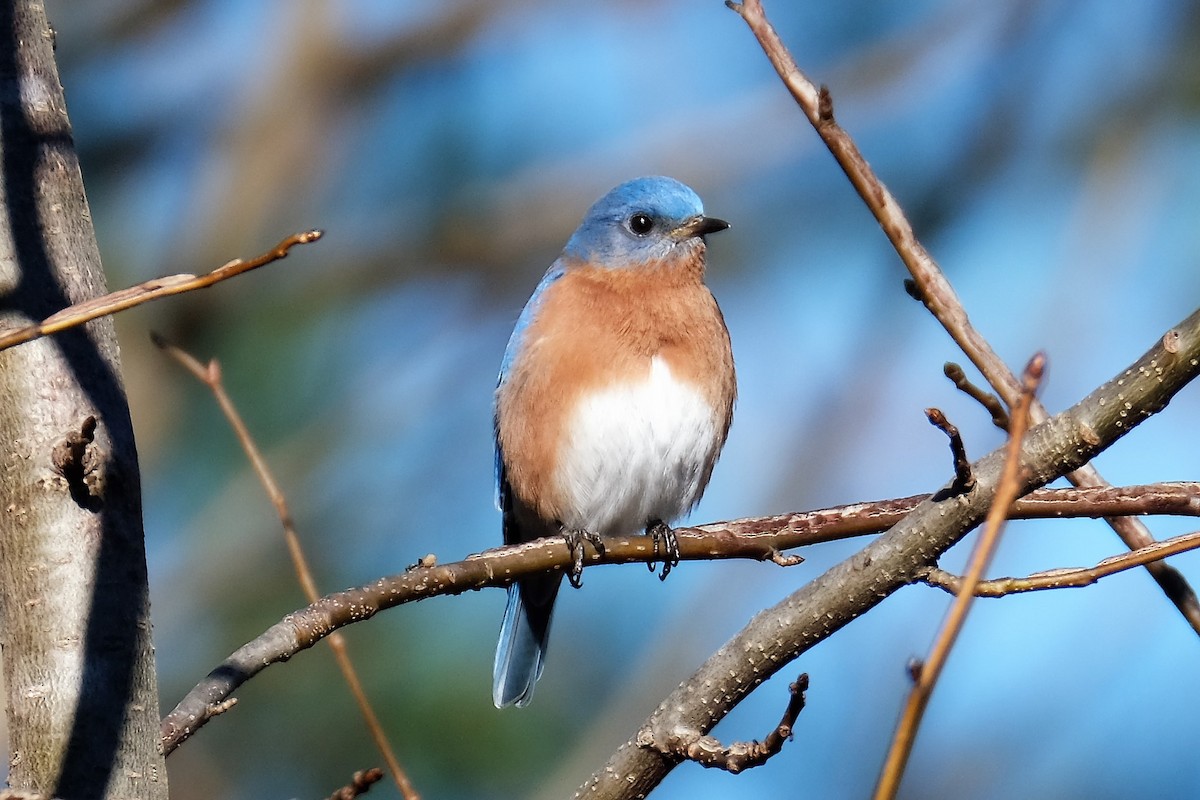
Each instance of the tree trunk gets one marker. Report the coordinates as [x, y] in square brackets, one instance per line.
[82, 699]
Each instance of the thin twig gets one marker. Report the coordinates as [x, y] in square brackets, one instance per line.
[985, 398]
[123, 299]
[707, 751]
[210, 376]
[964, 479]
[1067, 577]
[931, 286]
[926, 677]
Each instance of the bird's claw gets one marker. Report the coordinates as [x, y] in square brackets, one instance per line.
[666, 543]
[575, 539]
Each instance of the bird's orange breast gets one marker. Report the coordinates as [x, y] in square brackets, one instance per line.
[595, 329]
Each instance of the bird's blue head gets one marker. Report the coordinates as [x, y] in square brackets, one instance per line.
[640, 221]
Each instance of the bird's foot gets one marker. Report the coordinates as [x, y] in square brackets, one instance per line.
[575, 539]
[666, 543]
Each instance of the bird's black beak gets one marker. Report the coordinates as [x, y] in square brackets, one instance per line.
[702, 226]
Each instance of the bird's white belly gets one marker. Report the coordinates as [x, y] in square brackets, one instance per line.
[635, 453]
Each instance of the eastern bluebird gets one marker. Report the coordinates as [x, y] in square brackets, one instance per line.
[614, 399]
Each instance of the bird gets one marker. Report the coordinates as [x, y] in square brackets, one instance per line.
[614, 399]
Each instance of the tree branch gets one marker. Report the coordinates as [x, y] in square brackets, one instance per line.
[760, 538]
[210, 376]
[927, 674]
[931, 286]
[707, 751]
[1066, 578]
[778, 635]
[985, 398]
[964, 481]
[122, 299]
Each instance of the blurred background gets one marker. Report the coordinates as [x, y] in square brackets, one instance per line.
[1048, 155]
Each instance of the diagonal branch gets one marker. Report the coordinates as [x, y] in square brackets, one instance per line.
[210, 376]
[931, 286]
[926, 676]
[778, 635]
[123, 299]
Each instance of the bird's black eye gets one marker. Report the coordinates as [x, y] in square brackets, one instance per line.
[641, 224]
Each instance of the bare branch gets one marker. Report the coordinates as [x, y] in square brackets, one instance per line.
[760, 538]
[123, 299]
[1066, 578]
[931, 669]
[930, 285]
[210, 376]
[778, 635]
[964, 481]
[1110, 501]
[764, 537]
[985, 398]
[707, 751]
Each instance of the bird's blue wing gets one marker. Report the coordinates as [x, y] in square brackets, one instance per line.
[521, 651]
[515, 341]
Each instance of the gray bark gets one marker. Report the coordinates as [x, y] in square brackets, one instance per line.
[82, 699]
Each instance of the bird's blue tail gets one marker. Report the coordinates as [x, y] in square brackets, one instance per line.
[521, 651]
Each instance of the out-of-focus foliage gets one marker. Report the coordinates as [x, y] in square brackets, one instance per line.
[1048, 154]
